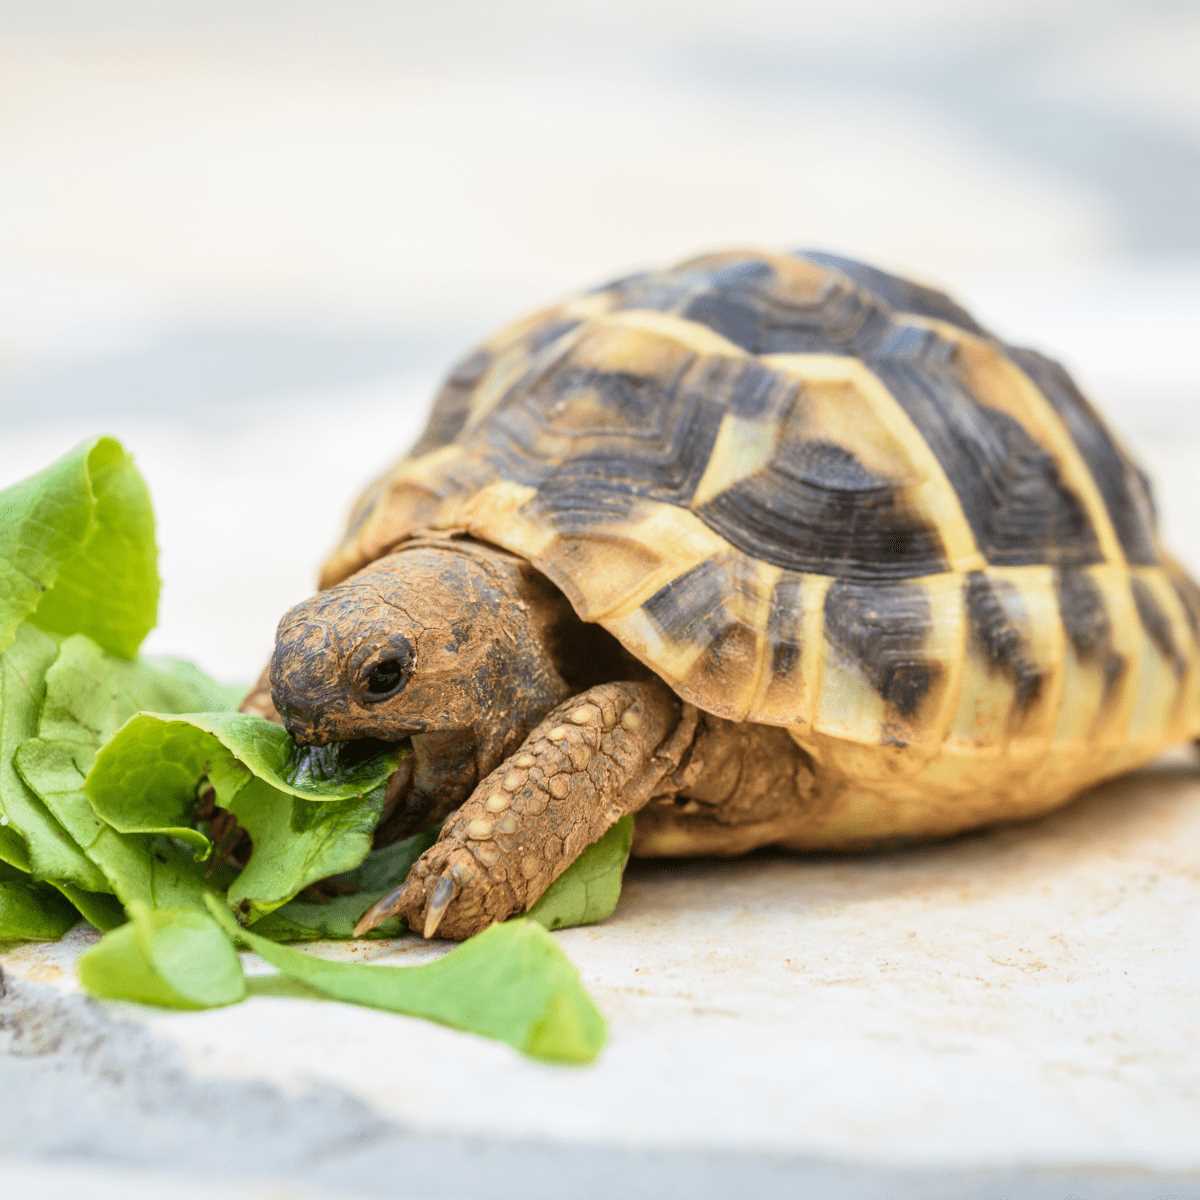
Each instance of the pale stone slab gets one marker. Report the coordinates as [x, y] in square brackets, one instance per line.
[1025, 997]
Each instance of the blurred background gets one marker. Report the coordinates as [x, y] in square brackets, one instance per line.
[248, 237]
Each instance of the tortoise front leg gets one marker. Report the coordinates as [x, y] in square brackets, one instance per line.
[599, 756]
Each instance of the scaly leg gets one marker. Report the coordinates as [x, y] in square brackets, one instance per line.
[599, 756]
[741, 787]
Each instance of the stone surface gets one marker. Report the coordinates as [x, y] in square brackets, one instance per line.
[1013, 1001]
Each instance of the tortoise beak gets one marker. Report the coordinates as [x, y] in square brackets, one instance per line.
[319, 763]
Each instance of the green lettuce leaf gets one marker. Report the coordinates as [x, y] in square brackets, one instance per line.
[153, 870]
[588, 890]
[157, 752]
[299, 834]
[100, 911]
[171, 958]
[297, 842]
[77, 554]
[50, 852]
[335, 918]
[511, 983]
[88, 695]
[31, 912]
[77, 550]
[12, 848]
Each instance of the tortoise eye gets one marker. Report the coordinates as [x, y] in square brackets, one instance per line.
[386, 678]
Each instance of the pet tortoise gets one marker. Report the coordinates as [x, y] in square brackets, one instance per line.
[770, 549]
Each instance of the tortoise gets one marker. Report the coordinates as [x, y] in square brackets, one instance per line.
[770, 549]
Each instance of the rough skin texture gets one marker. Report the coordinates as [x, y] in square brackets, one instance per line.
[477, 630]
[739, 785]
[594, 759]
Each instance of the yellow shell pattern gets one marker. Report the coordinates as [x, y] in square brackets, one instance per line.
[813, 495]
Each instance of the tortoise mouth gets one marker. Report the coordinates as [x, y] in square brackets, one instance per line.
[359, 751]
[336, 761]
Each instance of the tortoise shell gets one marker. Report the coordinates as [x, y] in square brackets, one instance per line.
[811, 494]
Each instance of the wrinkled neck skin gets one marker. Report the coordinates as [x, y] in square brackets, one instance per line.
[481, 630]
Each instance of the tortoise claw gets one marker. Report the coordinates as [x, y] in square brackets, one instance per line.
[444, 892]
[381, 910]
[408, 896]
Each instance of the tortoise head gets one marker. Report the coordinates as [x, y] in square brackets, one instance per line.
[444, 644]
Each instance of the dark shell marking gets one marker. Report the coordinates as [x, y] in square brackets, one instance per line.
[747, 303]
[704, 608]
[901, 294]
[994, 614]
[1088, 625]
[1189, 597]
[816, 508]
[649, 437]
[1010, 488]
[699, 608]
[882, 630]
[693, 606]
[1158, 625]
[1125, 489]
[452, 406]
[784, 633]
